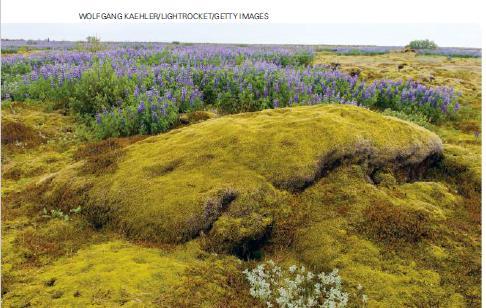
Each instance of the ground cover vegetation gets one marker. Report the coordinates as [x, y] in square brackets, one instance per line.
[206, 175]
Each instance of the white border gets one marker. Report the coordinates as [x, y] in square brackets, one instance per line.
[302, 11]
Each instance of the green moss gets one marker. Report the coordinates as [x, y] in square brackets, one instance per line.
[286, 148]
[437, 195]
[48, 148]
[106, 274]
[118, 273]
[423, 270]
[329, 245]
[292, 185]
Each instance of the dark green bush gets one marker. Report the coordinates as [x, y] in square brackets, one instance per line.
[422, 44]
[150, 117]
[99, 89]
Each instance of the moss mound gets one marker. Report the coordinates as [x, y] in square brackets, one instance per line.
[172, 187]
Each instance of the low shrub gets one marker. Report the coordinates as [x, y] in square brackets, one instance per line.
[149, 117]
[422, 44]
[416, 118]
[124, 92]
[98, 89]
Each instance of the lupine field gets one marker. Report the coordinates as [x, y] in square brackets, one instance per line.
[132, 91]
[206, 175]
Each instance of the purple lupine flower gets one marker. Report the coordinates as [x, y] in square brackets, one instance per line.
[456, 107]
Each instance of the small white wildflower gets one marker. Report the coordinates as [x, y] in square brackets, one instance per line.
[299, 279]
[310, 276]
[296, 287]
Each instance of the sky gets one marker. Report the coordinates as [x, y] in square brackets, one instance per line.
[384, 34]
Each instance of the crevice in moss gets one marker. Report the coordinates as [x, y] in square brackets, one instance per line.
[401, 167]
[213, 209]
[251, 249]
[163, 169]
[241, 235]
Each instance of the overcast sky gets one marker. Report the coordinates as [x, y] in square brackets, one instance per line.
[451, 35]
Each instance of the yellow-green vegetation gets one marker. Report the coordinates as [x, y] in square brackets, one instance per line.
[373, 233]
[118, 273]
[34, 142]
[171, 187]
[463, 74]
[172, 220]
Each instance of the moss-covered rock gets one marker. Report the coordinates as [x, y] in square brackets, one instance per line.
[308, 185]
[171, 187]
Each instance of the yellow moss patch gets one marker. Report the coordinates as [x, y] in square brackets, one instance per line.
[24, 162]
[118, 273]
[110, 274]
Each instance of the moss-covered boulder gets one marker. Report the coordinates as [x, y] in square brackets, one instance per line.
[172, 187]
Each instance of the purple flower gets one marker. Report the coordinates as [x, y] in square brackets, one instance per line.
[275, 103]
[456, 107]
[141, 107]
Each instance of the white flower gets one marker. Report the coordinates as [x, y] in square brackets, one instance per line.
[302, 289]
[310, 275]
